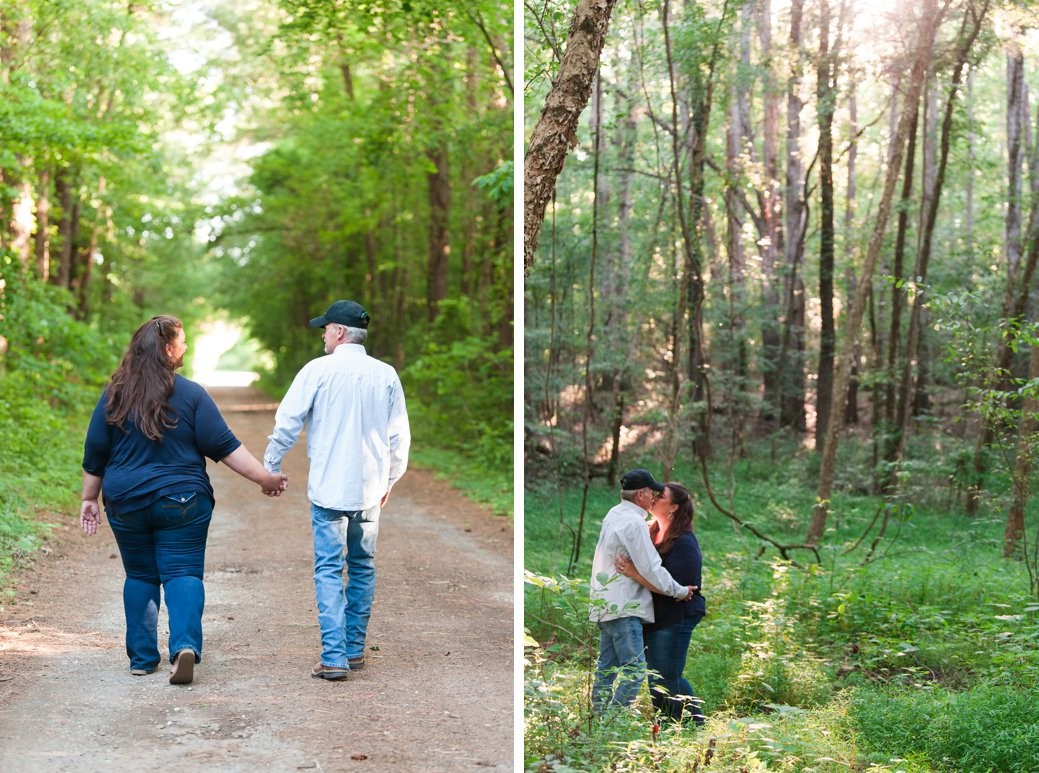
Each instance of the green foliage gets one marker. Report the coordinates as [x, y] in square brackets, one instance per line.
[20, 536]
[557, 609]
[123, 118]
[51, 353]
[777, 666]
[498, 184]
[989, 728]
[49, 376]
[449, 412]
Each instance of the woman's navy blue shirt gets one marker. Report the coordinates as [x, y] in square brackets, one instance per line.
[136, 471]
[685, 564]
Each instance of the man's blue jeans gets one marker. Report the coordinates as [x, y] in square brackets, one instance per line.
[622, 660]
[666, 650]
[164, 545]
[344, 540]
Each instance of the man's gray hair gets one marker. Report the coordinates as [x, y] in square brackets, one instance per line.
[355, 335]
[629, 495]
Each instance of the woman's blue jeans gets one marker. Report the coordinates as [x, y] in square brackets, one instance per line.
[666, 650]
[344, 543]
[163, 545]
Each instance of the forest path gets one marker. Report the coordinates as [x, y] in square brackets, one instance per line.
[435, 694]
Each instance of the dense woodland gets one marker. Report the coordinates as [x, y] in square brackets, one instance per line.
[255, 161]
[776, 215]
[784, 251]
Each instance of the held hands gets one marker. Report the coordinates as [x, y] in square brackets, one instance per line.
[276, 483]
[89, 516]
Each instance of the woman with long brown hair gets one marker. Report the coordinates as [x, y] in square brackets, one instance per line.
[145, 450]
[667, 637]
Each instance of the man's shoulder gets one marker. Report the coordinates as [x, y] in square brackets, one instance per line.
[355, 355]
[318, 364]
[625, 511]
[623, 517]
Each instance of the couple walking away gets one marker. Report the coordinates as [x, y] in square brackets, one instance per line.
[145, 454]
[651, 601]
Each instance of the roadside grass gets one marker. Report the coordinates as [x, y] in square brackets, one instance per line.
[488, 485]
[922, 658]
[33, 487]
[20, 538]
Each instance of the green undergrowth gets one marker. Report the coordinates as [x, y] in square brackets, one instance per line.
[39, 473]
[917, 651]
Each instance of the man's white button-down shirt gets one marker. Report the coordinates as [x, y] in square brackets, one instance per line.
[625, 532]
[358, 436]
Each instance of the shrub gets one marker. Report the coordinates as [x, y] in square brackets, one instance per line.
[462, 392]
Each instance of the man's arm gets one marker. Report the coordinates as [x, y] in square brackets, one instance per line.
[248, 466]
[647, 561]
[625, 567]
[399, 433]
[288, 423]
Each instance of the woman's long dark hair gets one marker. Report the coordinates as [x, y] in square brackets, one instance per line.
[142, 384]
[681, 521]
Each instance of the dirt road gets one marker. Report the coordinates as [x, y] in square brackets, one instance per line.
[435, 694]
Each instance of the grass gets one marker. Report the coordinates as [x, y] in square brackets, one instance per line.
[490, 487]
[921, 659]
[27, 489]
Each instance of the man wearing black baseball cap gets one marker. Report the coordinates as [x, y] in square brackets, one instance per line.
[620, 604]
[357, 440]
[345, 313]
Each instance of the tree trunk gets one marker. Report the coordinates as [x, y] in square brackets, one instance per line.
[439, 186]
[1019, 279]
[791, 365]
[691, 221]
[556, 130]
[620, 269]
[772, 231]
[589, 407]
[1014, 532]
[934, 180]
[898, 291]
[929, 20]
[21, 226]
[737, 144]
[68, 227]
[968, 218]
[825, 103]
[1017, 116]
[852, 410]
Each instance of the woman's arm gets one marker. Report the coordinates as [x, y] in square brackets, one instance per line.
[247, 465]
[89, 510]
